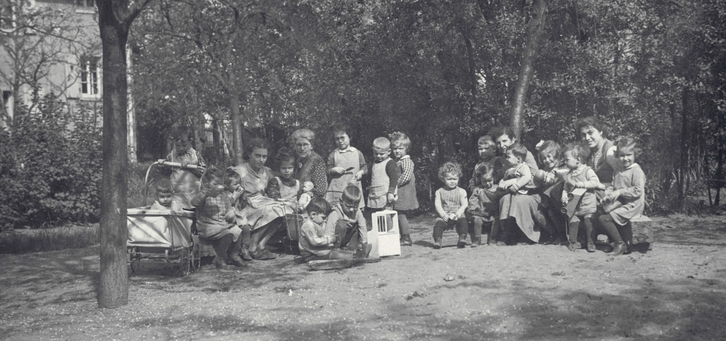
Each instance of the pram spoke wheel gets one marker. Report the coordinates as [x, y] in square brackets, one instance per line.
[134, 259]
[185, 262]
[196, 259]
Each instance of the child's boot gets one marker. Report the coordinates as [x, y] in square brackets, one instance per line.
[462, 241]
[406, 240]
[437, 243]
[476, 241]
[573, 246]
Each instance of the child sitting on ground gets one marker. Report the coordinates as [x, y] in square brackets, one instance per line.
[215, 219]
[384, 176]
[164, 195]
[450, 202]
[348, 223]
[487, 151]
[483, 210]
[626, 199]
[518, 178]
[346, 165]
[580, 176]
[315, 242]
[185, 181]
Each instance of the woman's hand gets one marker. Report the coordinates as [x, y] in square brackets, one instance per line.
[337, 170]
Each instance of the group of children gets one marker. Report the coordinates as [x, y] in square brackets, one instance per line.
[334, 226]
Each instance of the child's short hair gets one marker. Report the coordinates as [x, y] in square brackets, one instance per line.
[578, 151]
[496, 132]
[319, 206]
[183, 132]
[518, 150]
[340, 128]
[548, 147]
[351, 195]
[590, 121]
[485, 140]
[256, 143]
[483, 169]
[163, 185]
[450, 168]
[400, 139]
[211, 174]
[381, 143]
[285, 156]
[627, 142]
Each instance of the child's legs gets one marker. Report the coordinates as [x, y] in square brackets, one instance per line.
[573, 228]
[270, 231]
[235, 247]
[221, 246]
[587, 221]
[607, 223]
[403, 223]
[462, 227]
[341, 254]
[351, 238]
[244, 237]
[495, 231]
[487, 228]
[475, 228]
[439, 228]
[626, 232]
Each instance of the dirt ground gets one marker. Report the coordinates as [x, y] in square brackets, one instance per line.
[677, 291]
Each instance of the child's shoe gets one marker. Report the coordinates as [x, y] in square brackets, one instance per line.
[462, 242]
[573, 246]
[245, 254]
[406, 240]
[551, 240]
[219, 263]
[437, 244]
[591, 247]
[475, 242]
[501, 243]
[619, 249]
[235, 260]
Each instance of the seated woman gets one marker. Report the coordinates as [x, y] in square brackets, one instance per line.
[310, 167]
[517, 212]
[264, 214]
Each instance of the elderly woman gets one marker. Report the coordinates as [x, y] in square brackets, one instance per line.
[309, 166]
[264, 215]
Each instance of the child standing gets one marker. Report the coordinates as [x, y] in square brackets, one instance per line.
[184, 181]
[483, 210]
[346, 165]
[580, 176]
[316, 243]
[625, 197]
[384, 176]
[518, 178]
[215, 219]
[450, 202]
[487, 151]
[346, 221]
[406, 197]
[549, 180]
[164, 195]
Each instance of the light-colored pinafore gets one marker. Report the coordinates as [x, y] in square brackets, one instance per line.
[346, 159]
[184, 182]
[379, 185]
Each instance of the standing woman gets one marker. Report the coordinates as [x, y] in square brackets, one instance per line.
[309, 166]
[602, 157]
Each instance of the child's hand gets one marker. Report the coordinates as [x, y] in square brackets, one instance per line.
[337, 170]
[391, 198]
[359, 175]
[513, 189]
[238, 192]
[565, 198]
[453, 217]
[611, 196]
[184, 164]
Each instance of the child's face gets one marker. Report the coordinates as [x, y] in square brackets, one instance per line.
[486, 151]
[512, 159]
[342, 141]
[399, 151]
[503, 142]
[258, 157]
[164, 198]
[549, 161]
[626, 156]
[451, 180]
[215, 187]
[182, 144]
[233, 182]
[348, 207]
[487, 180]
[380, 154]
[571, 161]
[317, 218]
[591, 136]
[286, 169]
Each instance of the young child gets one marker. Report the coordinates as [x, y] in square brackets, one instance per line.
[346, 221]
[487, 151]
[450, 202]
[284, 187]
[628, 192]
[346, 165]
[164, 195]
[518, 177]
[406, 197]
[184, 181]
[215, 218]
[549, 180]
[315, 241]
[483, 210]
[580, 176]
[384, 176]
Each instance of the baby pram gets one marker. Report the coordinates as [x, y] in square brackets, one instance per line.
[162, 234]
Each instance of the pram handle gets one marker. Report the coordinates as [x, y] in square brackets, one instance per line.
[163, 162]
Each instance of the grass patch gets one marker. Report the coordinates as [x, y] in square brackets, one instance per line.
[58, 238]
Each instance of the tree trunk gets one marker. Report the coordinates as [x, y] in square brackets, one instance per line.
[114, 21]
[526, 72]
[131, 138]
[237, 144]
[683, 164]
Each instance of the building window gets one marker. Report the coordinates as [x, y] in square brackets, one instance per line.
[86, 3]
[89, 76]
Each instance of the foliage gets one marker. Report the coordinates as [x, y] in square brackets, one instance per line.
[51, 169]
[59, 238]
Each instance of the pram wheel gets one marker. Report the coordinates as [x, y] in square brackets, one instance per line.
[185, 262]
[134, 259]
[196, 258]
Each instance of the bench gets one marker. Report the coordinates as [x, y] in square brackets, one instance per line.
[643, 236]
